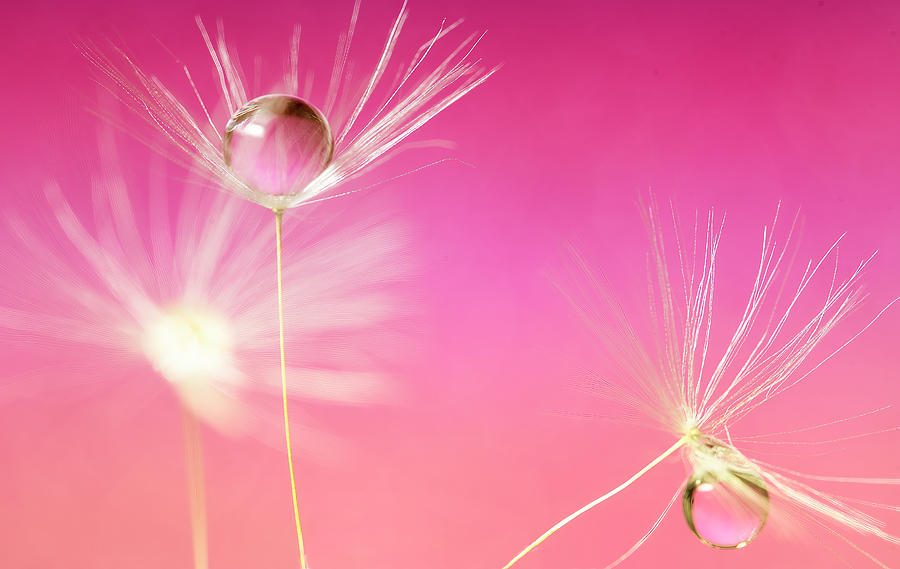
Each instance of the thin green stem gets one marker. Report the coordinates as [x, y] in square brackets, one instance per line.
[284, 397]
[193, 455]
[599, 500]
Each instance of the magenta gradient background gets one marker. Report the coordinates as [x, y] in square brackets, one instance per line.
[734, 106]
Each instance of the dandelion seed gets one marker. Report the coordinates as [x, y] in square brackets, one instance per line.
[682, 388]
[282, 148]
[185, 300]
[279, 150]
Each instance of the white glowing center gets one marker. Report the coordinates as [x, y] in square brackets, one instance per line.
[188, 344]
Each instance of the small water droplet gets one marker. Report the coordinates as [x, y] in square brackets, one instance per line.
[277, 144]
[726, 501]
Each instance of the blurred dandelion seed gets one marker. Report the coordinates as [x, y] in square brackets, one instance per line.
[279, 150]
[186, 299]
[674, 382]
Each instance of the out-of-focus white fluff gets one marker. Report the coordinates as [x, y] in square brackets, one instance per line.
[192, 294]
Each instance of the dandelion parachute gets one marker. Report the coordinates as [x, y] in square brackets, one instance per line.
[280, 150]
[674, 380]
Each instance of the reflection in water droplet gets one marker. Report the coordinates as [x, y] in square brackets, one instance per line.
[726, 502]
[277, 144]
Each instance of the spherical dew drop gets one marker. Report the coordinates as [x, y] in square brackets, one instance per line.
[726, 503]
[277, 144]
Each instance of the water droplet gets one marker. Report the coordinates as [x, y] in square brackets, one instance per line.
[277, 144]
[726, 502]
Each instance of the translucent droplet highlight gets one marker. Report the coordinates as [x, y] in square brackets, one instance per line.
[726, 503]
[277, 144]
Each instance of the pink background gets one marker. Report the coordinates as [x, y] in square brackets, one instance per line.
[734, 106]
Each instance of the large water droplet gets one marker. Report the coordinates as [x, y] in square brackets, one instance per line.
[277, 144]
[726, 502]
